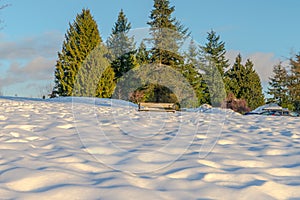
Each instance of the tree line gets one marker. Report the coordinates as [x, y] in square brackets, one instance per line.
[88, 66]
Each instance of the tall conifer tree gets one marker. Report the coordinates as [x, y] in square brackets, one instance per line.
[294, 82]
[121, 46]
[81, 38]
[193, 75]
[166, 33]
[214, 63]
[253, 92]
[244, 82]
[278, 86]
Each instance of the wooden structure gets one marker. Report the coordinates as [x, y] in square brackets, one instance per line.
[157, 107]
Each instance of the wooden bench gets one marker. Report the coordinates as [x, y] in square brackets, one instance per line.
[158, 107]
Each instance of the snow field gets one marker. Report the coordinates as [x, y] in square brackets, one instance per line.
[86, 149]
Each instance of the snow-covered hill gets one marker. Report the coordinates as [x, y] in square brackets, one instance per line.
[84, 148]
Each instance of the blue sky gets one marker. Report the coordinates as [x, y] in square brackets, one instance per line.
[33, 31]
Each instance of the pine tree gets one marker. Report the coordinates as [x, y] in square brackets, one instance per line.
[213, 64]
[81, 38]
[279, 86]
[142, 54]
[294, 82]
[244, 82]
[253, 92]
[122, 47]
[190, 71]
[234, 77]
[215, 51]
[167, 34]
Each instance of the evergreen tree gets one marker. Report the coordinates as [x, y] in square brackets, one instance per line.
[213, 64]
[253, 92]
[215, 51]
[81, 38]
[190, 71]
[244, 82]
[142, 54]
[279, 86]
[294, 82]
[95, 77]
[234, 77]
[121, 47]
[167, 34]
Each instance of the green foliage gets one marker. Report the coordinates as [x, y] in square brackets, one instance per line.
[213, 64]
[157, 84]
[95, 77]
[142, 54]
[278, 86]
[167, 34]
[81, 38]
[253, 88]
[214, 50]
[244, 83]
[191, 73]
[121, 47]
[294, 82]
[106, 85]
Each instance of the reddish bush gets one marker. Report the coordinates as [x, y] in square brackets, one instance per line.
[238, 105]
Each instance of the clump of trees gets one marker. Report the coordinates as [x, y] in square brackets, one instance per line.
[284, 85]
[87, 66]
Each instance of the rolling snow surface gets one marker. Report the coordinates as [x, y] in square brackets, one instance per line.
[84, 148]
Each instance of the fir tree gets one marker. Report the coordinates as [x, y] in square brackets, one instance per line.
[191, 72]
[252, 93]
[244, 82]
[294, 82]
[142, 54]
[215, 51]
[213, 64]
[167, 34]
[278, 86]
[121, 47]
[81, 38]
[234, 77]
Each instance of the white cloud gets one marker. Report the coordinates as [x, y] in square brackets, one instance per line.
[27, 80]
[46, 45]
[28, 60]
[38, 69]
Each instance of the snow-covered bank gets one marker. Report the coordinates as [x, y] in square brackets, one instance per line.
[100, 149]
